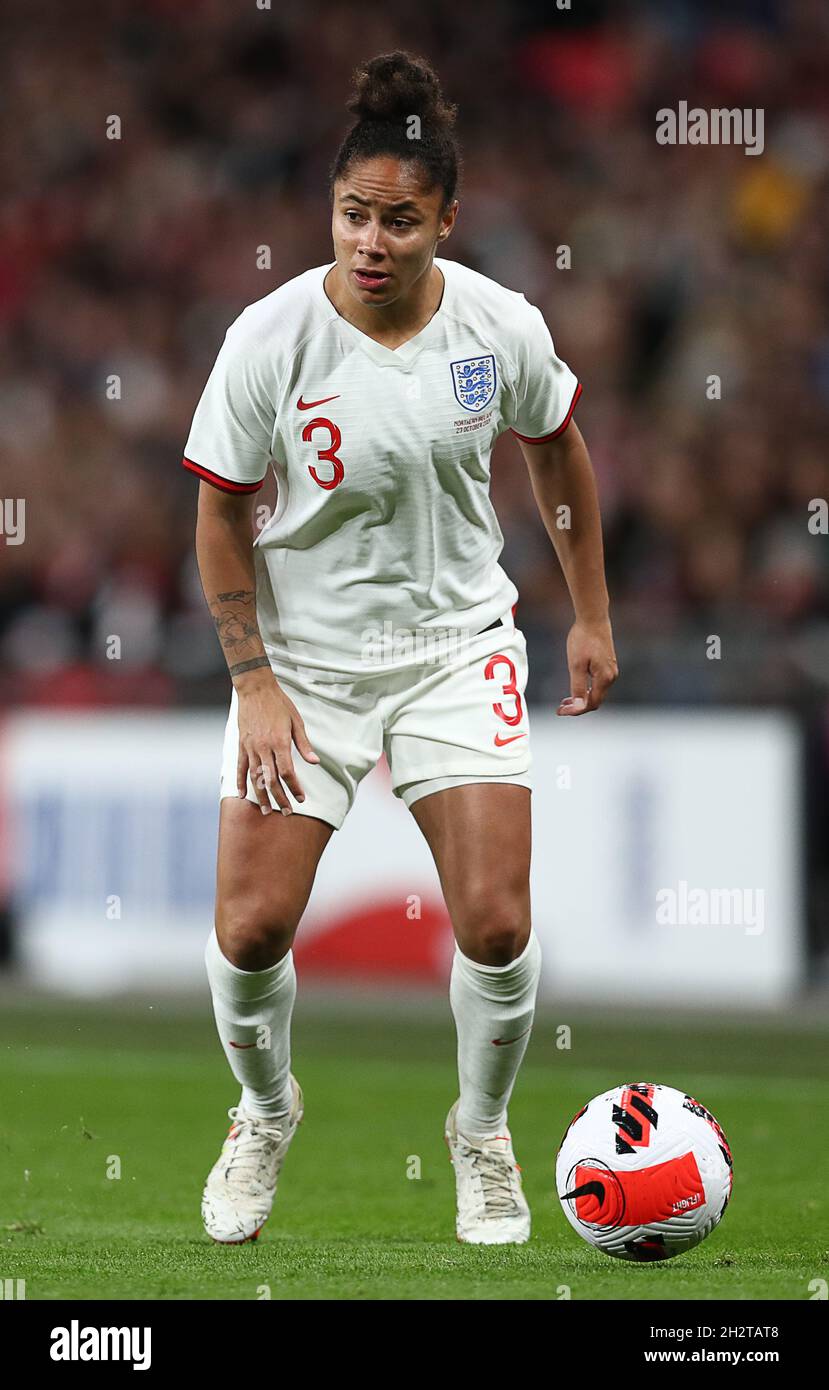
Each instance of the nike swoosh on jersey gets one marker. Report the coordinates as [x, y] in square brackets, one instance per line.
[309, 405]
[241, 1046]
[499, 741]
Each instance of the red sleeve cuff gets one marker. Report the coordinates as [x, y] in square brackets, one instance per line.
[218, 481]
[543, 439]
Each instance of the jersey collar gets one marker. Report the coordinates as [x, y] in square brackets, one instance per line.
[404, 355]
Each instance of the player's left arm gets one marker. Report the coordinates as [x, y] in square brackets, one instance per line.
[564, 487]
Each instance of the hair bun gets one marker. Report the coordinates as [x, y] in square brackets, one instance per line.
[395, 85]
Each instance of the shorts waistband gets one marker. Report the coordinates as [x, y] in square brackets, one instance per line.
[499, 622]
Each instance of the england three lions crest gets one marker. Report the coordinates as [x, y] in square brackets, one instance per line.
[474, 380]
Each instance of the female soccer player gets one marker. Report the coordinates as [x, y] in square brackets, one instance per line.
[377, 385]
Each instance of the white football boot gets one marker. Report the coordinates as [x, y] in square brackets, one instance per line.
[492, 1208]
[241, 1185]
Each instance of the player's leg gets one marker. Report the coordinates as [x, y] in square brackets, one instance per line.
[463, 729]
[266, 870]
[479, 834]
[480, 838]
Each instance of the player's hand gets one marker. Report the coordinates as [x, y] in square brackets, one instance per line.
[268, 723]
[592, 664]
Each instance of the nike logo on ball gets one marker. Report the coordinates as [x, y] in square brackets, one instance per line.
[586, 1189]
[499, 741]
[309, 405]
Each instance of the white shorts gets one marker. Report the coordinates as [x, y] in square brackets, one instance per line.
[462, 719]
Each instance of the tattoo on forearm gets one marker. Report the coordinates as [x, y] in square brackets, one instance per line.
[251, 665]
[234, 614]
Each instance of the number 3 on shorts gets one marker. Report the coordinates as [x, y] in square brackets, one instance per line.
[509, 687]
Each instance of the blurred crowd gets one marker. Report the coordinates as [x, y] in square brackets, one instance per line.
[685, 285]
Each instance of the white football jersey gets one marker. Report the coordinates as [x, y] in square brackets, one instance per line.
[383, 524]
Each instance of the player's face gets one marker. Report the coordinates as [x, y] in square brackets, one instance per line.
[386, 227]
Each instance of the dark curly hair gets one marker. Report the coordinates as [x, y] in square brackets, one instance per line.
[388, 91]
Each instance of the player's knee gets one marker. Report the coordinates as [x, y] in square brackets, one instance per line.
[493, 929]
[254, 932]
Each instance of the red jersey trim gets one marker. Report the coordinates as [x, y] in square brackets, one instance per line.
[527, 439]
[224, 484]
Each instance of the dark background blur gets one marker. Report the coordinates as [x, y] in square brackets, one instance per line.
[132, 256]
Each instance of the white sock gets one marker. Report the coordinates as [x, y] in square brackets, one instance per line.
[492, 1002]
[253, 1008]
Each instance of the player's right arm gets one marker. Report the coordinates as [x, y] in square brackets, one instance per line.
[268, 720]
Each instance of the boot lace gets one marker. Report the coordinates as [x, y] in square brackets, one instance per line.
[254, 1146]
[497, 1178]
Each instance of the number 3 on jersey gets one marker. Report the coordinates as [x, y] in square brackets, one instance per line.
[329, 454]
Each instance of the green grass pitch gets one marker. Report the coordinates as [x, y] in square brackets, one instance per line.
[82, 1086]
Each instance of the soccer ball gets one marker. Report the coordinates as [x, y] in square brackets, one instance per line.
[644, 1172]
